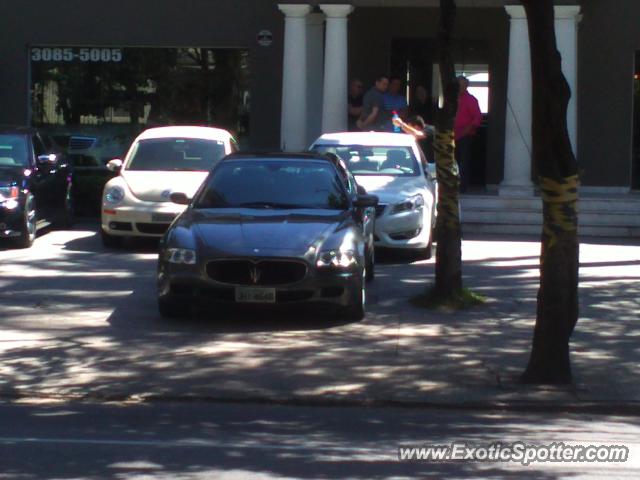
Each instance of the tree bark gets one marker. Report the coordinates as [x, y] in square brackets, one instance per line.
[557, 311]
[448, 235]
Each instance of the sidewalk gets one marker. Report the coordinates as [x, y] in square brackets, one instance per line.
[90, 330]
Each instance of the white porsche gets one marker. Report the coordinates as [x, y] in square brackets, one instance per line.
[160, 161]
[393, 167]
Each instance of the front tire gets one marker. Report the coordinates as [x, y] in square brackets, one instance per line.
[370, 265]
[356, 310]
[110, 241]
[168, 308]
[67, 217]
[28, 227]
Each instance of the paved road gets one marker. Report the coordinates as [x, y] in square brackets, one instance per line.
[80, 320]
[217, 441]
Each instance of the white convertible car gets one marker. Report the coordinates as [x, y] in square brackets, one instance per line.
[393, 167]
[159, 161]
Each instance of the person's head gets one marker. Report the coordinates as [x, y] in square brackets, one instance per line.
[463, 83]
[416, 121]
[395, 84]
[382, 83]
[355, 87]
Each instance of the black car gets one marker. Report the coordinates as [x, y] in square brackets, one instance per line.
[269, 229]
[35, 185]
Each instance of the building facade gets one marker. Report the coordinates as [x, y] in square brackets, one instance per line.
[276, 73]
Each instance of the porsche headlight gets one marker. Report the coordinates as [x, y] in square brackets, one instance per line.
[414, 203]
[182, 256]
[114, 195]
[337, 259]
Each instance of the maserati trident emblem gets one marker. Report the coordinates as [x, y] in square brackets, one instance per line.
[255, 275]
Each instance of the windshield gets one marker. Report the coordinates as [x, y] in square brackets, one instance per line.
[13, 151]
[394, 160]
[274, 183]
[190, 154]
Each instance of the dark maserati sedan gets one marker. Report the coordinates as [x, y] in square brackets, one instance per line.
[269, 230]
[35, 185]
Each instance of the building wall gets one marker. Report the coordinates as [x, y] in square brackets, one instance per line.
[153, 23]
[609, 36]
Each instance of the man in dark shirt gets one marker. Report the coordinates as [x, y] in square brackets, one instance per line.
[355, 103]
[374, 116]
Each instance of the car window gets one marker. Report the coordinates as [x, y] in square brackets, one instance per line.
[274, 183]
[375, 160]
[38, 146]
[13, 151]
[175, 154]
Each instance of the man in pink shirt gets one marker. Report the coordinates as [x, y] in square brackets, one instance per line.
[468, 119]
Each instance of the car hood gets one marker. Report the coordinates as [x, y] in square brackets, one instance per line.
[247, 232]
[11, 176]
[390, 189]
[156, 186]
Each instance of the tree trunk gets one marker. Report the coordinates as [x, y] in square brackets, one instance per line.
[448, 253]
[557, 311]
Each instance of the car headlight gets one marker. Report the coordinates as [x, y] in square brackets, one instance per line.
[337, 259]
[9, 197]
[114, 195]
[414, 203]
[183, 256]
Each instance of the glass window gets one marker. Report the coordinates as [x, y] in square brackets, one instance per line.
[96, 100]
[13, 151]
[190, 154]
[274, 184]
[375, 160]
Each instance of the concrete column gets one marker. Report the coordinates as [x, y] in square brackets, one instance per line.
[566, 26]
[293, 132]
[517, 154]
[315, 75]
[334, 105]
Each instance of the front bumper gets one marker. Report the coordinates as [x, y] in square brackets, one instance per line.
[11, 221]
[144, 219]
[405, 230]
[191, 284]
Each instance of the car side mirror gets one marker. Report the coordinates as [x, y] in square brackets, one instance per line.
[48, 160]
[365, 201]
[179, 198]
[114, 165]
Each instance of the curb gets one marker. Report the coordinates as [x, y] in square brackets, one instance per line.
[631, 408]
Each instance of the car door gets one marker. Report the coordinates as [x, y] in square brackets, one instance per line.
[60, 172]
[43, 180]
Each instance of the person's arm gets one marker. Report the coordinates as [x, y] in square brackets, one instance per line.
[406, 128]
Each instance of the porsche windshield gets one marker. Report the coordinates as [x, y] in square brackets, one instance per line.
[13, 151]
[173, 154]
[274, 184]
[394, 160]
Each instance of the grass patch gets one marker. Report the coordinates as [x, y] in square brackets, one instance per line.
[460, 300]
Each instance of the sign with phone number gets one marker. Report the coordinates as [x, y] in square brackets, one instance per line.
[55, 54]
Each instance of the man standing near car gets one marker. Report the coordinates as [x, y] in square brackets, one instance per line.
[374, 115]
[468, 119]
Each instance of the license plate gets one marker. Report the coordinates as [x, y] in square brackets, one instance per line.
[255, 295]
[163, 217]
